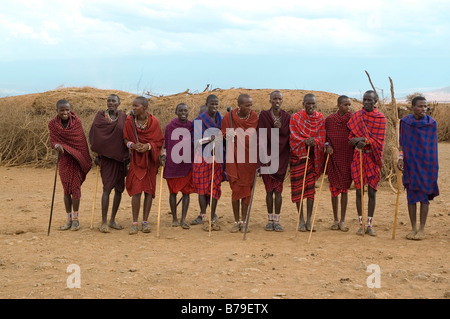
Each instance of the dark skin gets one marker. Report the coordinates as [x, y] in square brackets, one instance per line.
[343, 108]
[112, 104]
[419, 112]
[140, 112]
[274, 197]
[63, 111]
[369, 101]
[182, 112]
[212, 106]
[309, 103]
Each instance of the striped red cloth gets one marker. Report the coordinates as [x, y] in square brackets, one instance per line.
[372, 126]
[297, 175]
[339, 163]
[202, 170]
[271, 184]
[303, 126]
[141, 175]
[76, 161]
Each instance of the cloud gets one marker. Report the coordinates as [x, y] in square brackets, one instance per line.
[82, 29]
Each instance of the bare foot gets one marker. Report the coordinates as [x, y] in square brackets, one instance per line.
[419, 235]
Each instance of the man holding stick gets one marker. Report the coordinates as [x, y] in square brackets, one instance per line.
[418, 159]
[367, 134]
[307, 137]
[202, 174]
[67, 137]
[240, 167]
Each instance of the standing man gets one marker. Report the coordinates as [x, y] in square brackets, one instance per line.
[211, 121]
[367, 133]
[67, 137]
[106, 139]
[418, 159]
[143, 136]
[340, 160]
[307, 131]
[240, 168]
[177, 163]
[279, 119]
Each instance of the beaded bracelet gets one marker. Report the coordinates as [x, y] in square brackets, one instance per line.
[129, 144]
[400, 155]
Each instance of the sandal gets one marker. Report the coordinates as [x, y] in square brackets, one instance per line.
[343, 227]
[75, 225]
[145, 228]
[269, 227]
[308, 227]
[66, 226]
[335, 226]
[302, 227]
[133, 229]
[103, 228]
[184, 225]
[197, 221]
[277, 227]
[114, 225]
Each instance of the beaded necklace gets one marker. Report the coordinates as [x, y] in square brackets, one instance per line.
[109, 116]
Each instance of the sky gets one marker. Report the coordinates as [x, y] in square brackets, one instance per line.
[165, 47]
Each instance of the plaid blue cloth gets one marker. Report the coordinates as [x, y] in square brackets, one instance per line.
[418, 139]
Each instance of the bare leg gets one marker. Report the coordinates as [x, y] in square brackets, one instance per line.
[184, 207]
[423, 219]
[278, 202]
[173, 208]
[148, 199]
[135, 206]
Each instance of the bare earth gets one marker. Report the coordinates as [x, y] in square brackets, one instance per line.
[184, 264]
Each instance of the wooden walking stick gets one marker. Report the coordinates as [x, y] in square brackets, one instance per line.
[399, 185]
[159, 202]
[303, 191]
[318, 197]
[53, 196]
[362, 190]
[95, 197]
[250, 205]
[212, 187]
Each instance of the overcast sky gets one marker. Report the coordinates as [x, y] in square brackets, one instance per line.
[166, 46]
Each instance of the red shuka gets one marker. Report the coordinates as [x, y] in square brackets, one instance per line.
[141, 175]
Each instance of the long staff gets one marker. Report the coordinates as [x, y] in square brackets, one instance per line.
[134, 125]
[250, 205]
[53, 196]
[362, 189]
[399, 185]
[212, 186]
[95, 197]
[318, 197]
[159, 201]
[303, 191]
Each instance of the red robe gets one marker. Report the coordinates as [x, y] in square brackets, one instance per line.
[76, 161]
[141, 175]
[241, 175]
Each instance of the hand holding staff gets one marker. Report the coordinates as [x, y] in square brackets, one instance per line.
[303, 191]
[317, 201]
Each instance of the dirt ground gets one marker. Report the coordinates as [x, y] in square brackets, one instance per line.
[184, 264]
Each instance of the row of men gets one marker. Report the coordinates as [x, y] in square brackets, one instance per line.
[130, 152]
